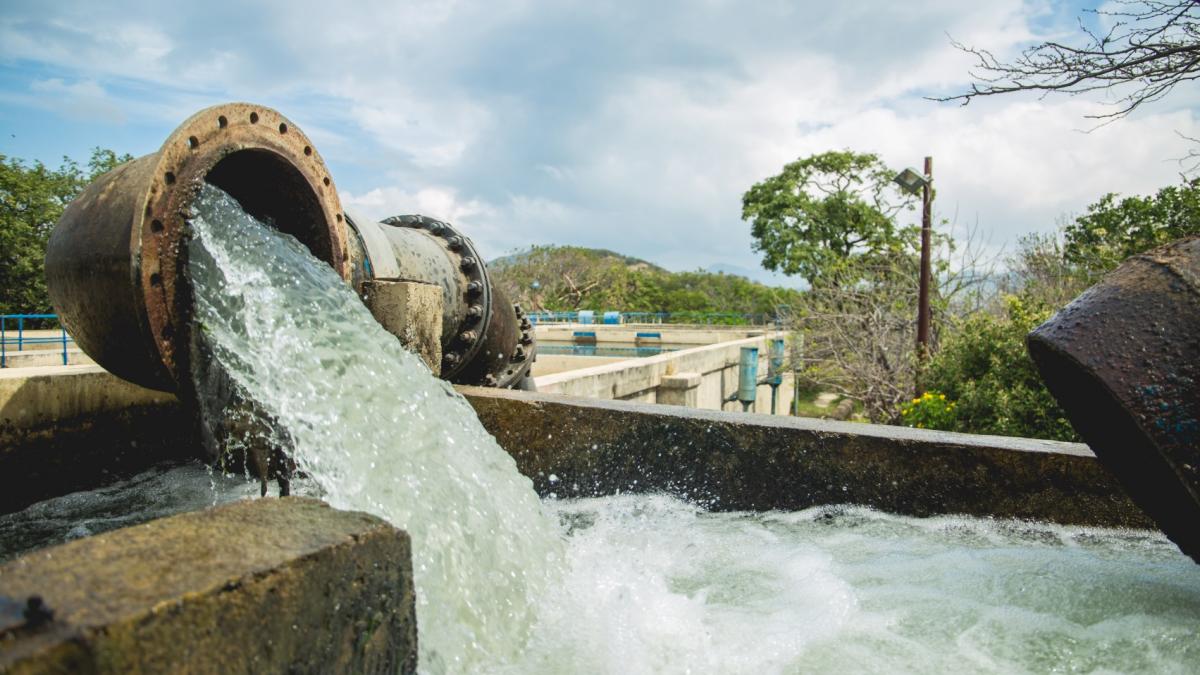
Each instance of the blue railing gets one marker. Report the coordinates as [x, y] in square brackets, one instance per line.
[21, 341]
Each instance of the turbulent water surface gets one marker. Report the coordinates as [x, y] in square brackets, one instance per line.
[643, 583]
[656, 585]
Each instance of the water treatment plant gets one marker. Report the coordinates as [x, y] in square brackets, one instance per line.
[452, 485]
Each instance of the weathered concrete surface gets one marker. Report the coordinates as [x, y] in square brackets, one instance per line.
[680, 334]
[641, 379]
[680, 389]
[412, 311]
[32, 398]
[730, 461]
[34, 358]
[76, 427]
[549, 364]
[269, 585]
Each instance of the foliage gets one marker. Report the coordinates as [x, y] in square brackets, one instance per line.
[858, 326]
[822, 211]
[983, 365]
[31, 200]
[931, 410]
[570, 278]
[984, 368]
[1041, 273]
[1147, 49]
[1114, 228]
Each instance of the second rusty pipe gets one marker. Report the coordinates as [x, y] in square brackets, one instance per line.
[1123, 360]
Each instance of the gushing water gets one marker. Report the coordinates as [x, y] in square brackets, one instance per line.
[376, 432]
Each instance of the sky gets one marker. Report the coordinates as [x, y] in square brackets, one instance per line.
[634, 126]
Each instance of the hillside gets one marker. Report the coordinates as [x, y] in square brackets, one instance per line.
[572, 278]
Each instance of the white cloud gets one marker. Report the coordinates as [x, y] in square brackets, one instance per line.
[632, 127]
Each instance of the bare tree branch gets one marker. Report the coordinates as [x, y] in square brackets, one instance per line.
[1152, 47]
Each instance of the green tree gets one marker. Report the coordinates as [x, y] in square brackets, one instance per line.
[32, 197]
[1115, 228]
[823, 210]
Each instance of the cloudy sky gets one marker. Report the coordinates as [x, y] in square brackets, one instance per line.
[634, 126]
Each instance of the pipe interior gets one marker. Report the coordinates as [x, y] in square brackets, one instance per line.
[274, 191]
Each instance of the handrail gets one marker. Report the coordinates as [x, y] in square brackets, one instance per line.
[20, 341]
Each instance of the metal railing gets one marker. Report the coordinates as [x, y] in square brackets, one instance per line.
[21, 340]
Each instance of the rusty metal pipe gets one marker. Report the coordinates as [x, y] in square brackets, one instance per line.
[1123, 360]
[486, 339]
[116, 260]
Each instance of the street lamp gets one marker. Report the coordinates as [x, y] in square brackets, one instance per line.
[911, 181]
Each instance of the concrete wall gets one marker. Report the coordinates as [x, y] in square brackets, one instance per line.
[642, 379]
[550, 364]
[76, 427]
[627, 333]
[33, 358]
[728, 461]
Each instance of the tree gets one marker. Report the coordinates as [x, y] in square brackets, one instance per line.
[858, 325]
[31, 200]
[1114, 229]
[1148, 49]
[822, 211]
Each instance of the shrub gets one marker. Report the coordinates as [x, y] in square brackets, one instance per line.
[932, 410]
[984, 369]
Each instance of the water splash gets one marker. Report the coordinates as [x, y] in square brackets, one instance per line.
[369, 424]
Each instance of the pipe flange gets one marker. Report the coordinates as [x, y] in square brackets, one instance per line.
[477, 293]
[520, 362]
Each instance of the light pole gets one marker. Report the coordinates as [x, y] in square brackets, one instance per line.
[911, 181]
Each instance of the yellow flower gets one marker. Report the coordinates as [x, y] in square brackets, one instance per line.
[916, 400]
[942, 396]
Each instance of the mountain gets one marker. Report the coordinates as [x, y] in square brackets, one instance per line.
[566, 278]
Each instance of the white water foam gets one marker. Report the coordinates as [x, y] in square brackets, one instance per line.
[655, 585]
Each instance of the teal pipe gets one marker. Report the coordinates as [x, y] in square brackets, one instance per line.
[748, 376]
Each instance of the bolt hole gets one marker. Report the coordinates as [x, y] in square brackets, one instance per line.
[326, 181]
[282, 128]
[156, 279]
[193, 142]
[170, 177]
[339, 217]
[307, 150]
[222, 122]
[156, 226]
[253, 118]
